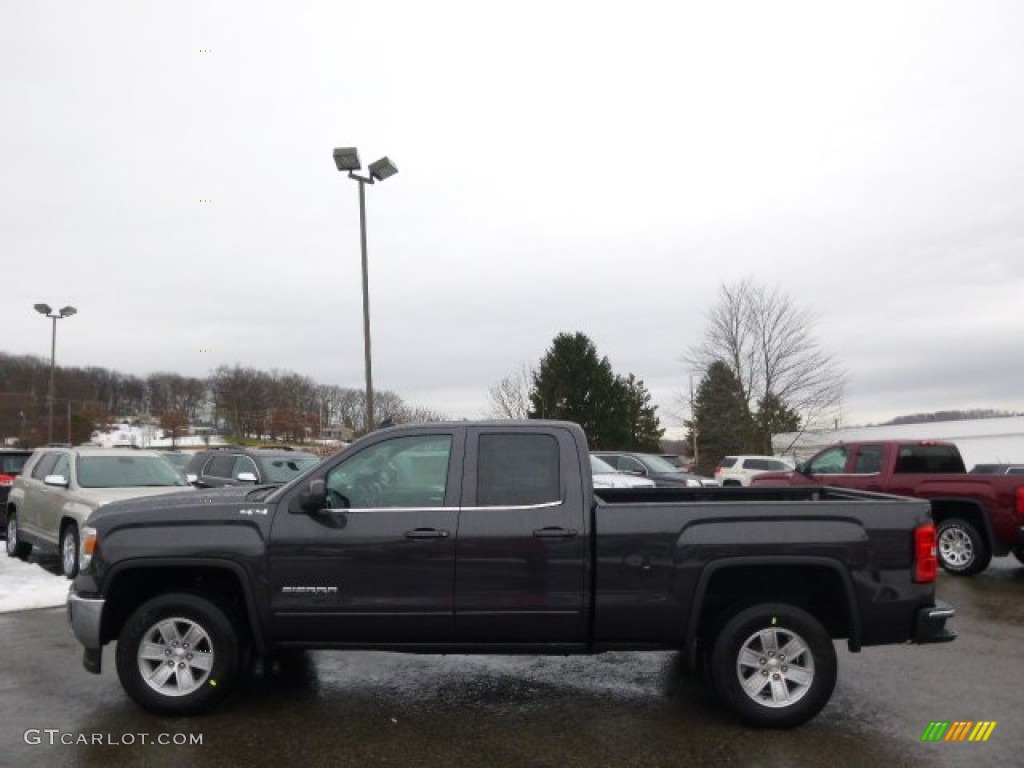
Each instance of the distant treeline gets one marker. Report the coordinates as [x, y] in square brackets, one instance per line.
[242, 401]
[924, 418]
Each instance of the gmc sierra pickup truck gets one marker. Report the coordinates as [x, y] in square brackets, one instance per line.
[977, 515]
[489, 538]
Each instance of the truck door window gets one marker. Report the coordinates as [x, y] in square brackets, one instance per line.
[830, 462]
[929, 459]
[517, 470]
[403, 472]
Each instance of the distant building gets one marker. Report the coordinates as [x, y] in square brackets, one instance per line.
[338, 432]
[981, 441]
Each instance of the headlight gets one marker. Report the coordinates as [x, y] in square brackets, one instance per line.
[88, 547]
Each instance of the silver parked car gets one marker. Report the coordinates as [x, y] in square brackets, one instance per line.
[60, 487]
[606, 476]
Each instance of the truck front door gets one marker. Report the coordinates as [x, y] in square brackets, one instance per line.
[522, 547]
[378, 564]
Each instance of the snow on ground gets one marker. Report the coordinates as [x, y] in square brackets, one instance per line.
[29, 585]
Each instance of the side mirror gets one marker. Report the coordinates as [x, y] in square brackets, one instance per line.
[191, 478]
[247, 477]
[314, 499]
[58, 480]
[802, 468]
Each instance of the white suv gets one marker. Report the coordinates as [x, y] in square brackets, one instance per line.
[740, 470]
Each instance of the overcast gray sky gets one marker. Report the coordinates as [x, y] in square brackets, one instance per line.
[591, 166]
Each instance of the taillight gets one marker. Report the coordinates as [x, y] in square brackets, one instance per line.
[926, 561]
[6, 481]
[717, 470]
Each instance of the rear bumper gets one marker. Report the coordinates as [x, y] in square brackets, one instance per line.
[930, 623]
[85, 616]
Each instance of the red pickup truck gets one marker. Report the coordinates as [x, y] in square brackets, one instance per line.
[977, 515]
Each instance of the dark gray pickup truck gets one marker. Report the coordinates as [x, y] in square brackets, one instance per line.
[489, 538]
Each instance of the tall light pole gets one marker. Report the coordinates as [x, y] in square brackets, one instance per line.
[347, 159]
[44, 309]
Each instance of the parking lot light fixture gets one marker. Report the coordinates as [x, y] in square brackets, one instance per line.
[347, 159]
[382, 169]
[68, 311]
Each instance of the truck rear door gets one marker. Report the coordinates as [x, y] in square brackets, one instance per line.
[522, 553]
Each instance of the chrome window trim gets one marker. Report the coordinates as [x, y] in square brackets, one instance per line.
[545, 505]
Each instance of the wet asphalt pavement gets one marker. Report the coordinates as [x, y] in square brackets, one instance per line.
[622, 709]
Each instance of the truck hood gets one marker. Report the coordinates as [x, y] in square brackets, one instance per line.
[209, 503]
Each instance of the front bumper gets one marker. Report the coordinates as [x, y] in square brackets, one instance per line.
[85, 615]
[930, 623]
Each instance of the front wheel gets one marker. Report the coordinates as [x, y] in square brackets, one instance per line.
[774, 665]
[178, 654]
[962, 551]
[69, 550]
[15, 546]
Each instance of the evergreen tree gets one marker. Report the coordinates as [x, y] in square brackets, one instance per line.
[773, 417]
[573, 383]
[644, 429]
[721, 422]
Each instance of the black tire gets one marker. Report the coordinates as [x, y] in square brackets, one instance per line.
[962, 550]
[201, 648]
[69, 550]
[15, 546]
[796, 685]
[1018, 552]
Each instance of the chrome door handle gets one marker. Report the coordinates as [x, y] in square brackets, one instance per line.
[552, 532]
[426, 533]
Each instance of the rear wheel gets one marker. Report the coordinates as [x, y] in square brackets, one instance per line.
[178, 654]
[15, 546]
[774, 665]
[69, 550]
[962, 551]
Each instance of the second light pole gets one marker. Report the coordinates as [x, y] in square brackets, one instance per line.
[44, 309]
[347, 159]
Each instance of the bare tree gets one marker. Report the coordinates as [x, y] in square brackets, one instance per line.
[510, 397]
[768, 342]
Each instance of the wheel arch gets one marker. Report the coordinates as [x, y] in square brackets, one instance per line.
[729, 585]
[223, 582]
[944, 508]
